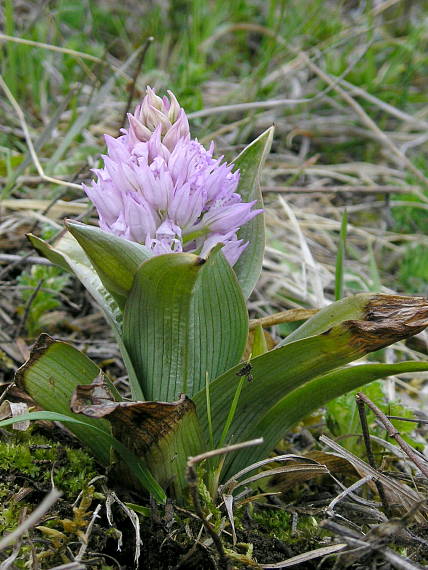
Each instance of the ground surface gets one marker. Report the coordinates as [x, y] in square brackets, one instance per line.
[345, 84]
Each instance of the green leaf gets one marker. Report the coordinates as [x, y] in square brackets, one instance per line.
[139, 471]
[68, 254]
[185, 317]
[50, 376]
[306, 399]
[115, 259]
[345, 309]
[277, 373]
[259, 342]
[161, 434]
[250, 163]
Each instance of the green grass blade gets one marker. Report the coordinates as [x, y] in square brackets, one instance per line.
[209, 417]
[231, 414]
[340, 259]
[82, 120]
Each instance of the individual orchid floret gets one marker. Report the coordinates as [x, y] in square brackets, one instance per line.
[160, 188]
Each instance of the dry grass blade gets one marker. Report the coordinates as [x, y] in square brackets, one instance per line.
[305, 557]
[415, 121]
[371, 125]
[50, 47]
[359, 545]
[231, 483]
[394, 433]
[309, 263]
[346, 493]
[70, 566]
[60, 209]
[32, 520]
[313, 470]
[397, 493]
[289, 316]
[111, 499]
[29, 140]
[228, 503]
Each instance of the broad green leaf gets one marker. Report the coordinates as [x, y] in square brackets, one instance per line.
[354, 307]
[306, 399]
[276, 373]
[139, 471]
[50, 377]
[115, 259]
[185, 318]
[68, 254]
[161, 434]
[250, 163]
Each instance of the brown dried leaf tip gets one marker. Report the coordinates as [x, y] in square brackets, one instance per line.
[388, 319]
[140, 425]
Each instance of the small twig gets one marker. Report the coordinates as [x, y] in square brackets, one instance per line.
[370, 457]
[24, 259]
[289, 316]
[35, 516]
[395, 434]
[135, 75]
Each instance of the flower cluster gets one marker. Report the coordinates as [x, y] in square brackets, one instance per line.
[161, 188]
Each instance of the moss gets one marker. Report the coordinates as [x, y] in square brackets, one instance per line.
[28, 465]
[35, 460]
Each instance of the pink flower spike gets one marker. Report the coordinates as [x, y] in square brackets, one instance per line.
[162, 188]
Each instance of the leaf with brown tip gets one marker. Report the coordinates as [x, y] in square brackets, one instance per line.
[162, 434]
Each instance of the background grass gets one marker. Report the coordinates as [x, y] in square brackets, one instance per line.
[73, 65]
[344, 82]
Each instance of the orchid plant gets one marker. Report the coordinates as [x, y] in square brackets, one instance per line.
[178, 250]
